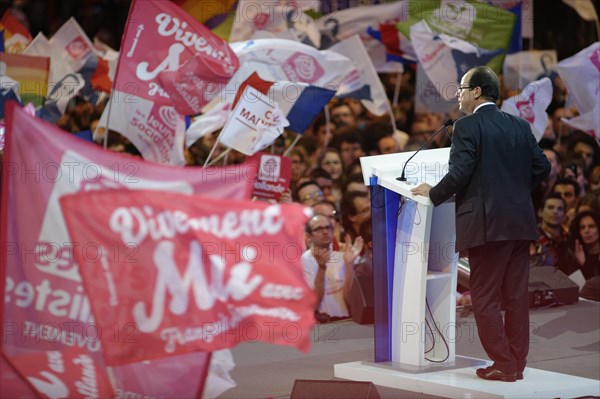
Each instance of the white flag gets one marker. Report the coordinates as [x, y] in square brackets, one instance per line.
[581, 75]
[526, 66]
[531, 105]
[71, 49]
[363, 84]
[446, 59]
[342, 24]
[39, 46]
[289, 60]
[255, 123]
[285, 21]
[588, 122]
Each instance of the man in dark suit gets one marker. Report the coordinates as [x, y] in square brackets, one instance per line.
[494, 165]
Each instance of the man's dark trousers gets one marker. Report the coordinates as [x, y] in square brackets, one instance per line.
[502, 264]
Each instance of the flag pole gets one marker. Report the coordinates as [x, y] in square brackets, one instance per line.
[327, 126]
[287, 151]
[106, 129]
[212, 150]
[221, 156]
[397, 88]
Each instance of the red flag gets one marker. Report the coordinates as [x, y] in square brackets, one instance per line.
[16, 35]
[164, 52]
[64, 374]
[100, 79]
[45, 304]
[192, 273]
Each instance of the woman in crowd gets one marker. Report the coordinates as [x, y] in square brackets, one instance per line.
[584, 231]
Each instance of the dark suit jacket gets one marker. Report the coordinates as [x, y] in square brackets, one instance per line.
[494, 165]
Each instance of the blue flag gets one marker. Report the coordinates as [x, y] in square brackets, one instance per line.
[85, 135]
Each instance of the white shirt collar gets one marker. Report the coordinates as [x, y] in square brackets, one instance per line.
[482, 105]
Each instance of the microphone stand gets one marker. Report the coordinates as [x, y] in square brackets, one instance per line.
[402, 177]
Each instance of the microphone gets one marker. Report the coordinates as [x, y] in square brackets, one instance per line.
[402, 177]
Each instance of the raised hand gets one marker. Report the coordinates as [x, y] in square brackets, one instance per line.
[353, 249]
[579, 253]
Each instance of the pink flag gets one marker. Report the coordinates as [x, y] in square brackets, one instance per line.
[64, 373]
[581, 75]
[206, 273]
[588, 122]
[45, 303]
[159, 39]
[531, 105]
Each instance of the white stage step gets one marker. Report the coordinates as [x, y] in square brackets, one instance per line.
[464, 383]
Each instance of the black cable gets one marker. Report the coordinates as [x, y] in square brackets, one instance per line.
[441, 335]
[432, 336]
[401, 205]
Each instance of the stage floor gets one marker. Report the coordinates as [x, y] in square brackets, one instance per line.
[566, 340]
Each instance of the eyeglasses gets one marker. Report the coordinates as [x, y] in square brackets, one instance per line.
[313, 195]
[459, 88]
[322, 229]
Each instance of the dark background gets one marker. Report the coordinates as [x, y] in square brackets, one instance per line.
[556, 25]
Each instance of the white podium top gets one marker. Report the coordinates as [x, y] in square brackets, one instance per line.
[428, 166]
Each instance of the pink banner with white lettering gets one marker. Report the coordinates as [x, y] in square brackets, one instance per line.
[192, 273]
[160, 38]
[64, 374]
[45, 304]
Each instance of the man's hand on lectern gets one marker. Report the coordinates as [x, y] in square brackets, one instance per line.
[421, 189]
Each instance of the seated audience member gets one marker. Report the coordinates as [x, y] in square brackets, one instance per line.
[300, 165]
[585, 147]
[552, 247]
[386, 144]
[383, 138]
[331, 191]
[361, 114]
[590, 202]
[342, 114]
[329, 210]
[308, 193]
[546, 186]
[331, 161]
[575, 169]
[586, 241]
[569, 190]
[354, 168]
[319, 131]
[363, 266]
[355, 182]
[562, 131]
[595, 180]
[355, 208]
[329, 273]
[349, 144]
[555, 168]
[420, 131]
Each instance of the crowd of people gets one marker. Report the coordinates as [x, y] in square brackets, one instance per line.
[326, 175]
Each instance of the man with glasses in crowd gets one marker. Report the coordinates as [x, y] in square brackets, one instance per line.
[309, 193]
[328, 272]
[494, 165]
